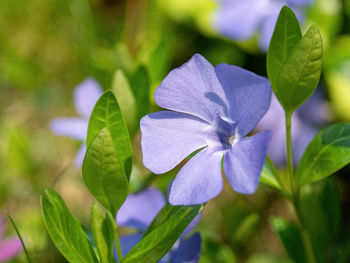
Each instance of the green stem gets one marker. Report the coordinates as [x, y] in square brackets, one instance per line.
[295, 194]
[117, 244]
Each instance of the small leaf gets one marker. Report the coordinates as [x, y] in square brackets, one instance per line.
[140, 85]
[285, 36]
[65, 230]
[328, 152]
[291, 238]
[106, 113]
[126, 99]
[103, 174]
[269, 175]
[103, 231]
[159, 241]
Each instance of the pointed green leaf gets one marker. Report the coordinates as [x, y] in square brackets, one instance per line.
[106, 113]
[291, 239]
[103, 229]
[103, 174]
[285, 36]
[158, 242]
[328, 152]
[269, 175]
[65, 230]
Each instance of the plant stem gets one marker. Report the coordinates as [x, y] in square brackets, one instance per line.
[295, 194]
[117, 244]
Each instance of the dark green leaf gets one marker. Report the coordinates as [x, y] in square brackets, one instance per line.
[328, 152]
[106, 113]
[158, 242]
[285, 36]
[103, 231]
[103, 174]
[291, 238]
[65, 230]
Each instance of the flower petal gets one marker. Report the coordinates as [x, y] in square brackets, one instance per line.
[191, 226]
[85, 96]
[139, 209]
[199, 180]
[10, 248]
[72, 127]
[188, 250]
[79, 157]
[244, 161]
[239, 20]
[168, 137]
[193, 88]
[248, 95]
[127, 242]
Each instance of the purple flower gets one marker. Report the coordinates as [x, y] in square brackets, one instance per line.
[240, 20]
[138, 212]
[211, 110]
[85, 96]
[306, 121]
[9, 248]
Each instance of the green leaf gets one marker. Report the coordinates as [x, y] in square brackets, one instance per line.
[269, 175]
[103, 174]
[140, 85]
[294, 64]
[103, 231]
[126, 99]
[106, 113]
[65, 230]
[327, 153]
[285, 36]
[158, 242]
[291, 239]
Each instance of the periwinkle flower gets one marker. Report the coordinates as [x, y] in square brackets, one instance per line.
[9, 248]
[241, 19]
[86, 95]
[306, 121]
[138, 212]
[211, 110]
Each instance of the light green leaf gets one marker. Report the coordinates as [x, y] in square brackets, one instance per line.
[285, 36]
[269, 175]
[103, 174]
[328, 152]
[103, 231]
[126, 99]
[106, 113]
[158, 242]
[65, 230]
[291, 239]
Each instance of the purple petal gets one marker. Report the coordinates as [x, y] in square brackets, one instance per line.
[72, 127]
[199, 180]
[85, 96]
[79, 157]
[244, 161]
[127, 242]
[188, 250]
[10, 248]
[191, 226]
[301, 3]
[168, 137]
[239, 20]
[193, 88]
[248, 95]
[139, 209]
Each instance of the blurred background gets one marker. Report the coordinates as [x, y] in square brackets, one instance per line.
[48, 47]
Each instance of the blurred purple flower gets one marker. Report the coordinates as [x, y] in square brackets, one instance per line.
[242, 19]
[138, 212]
[212, 110]
[10, 247]
[306, 121]
[85, 96]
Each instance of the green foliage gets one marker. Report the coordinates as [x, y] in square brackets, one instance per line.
[106, 113]
[291, 238]
[327, 153]
[269, 175]
[293, 62]
[103, 174]
[154, 245]
[103, 229]
[65, 230]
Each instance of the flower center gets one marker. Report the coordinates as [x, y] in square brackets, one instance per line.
[225, 130]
